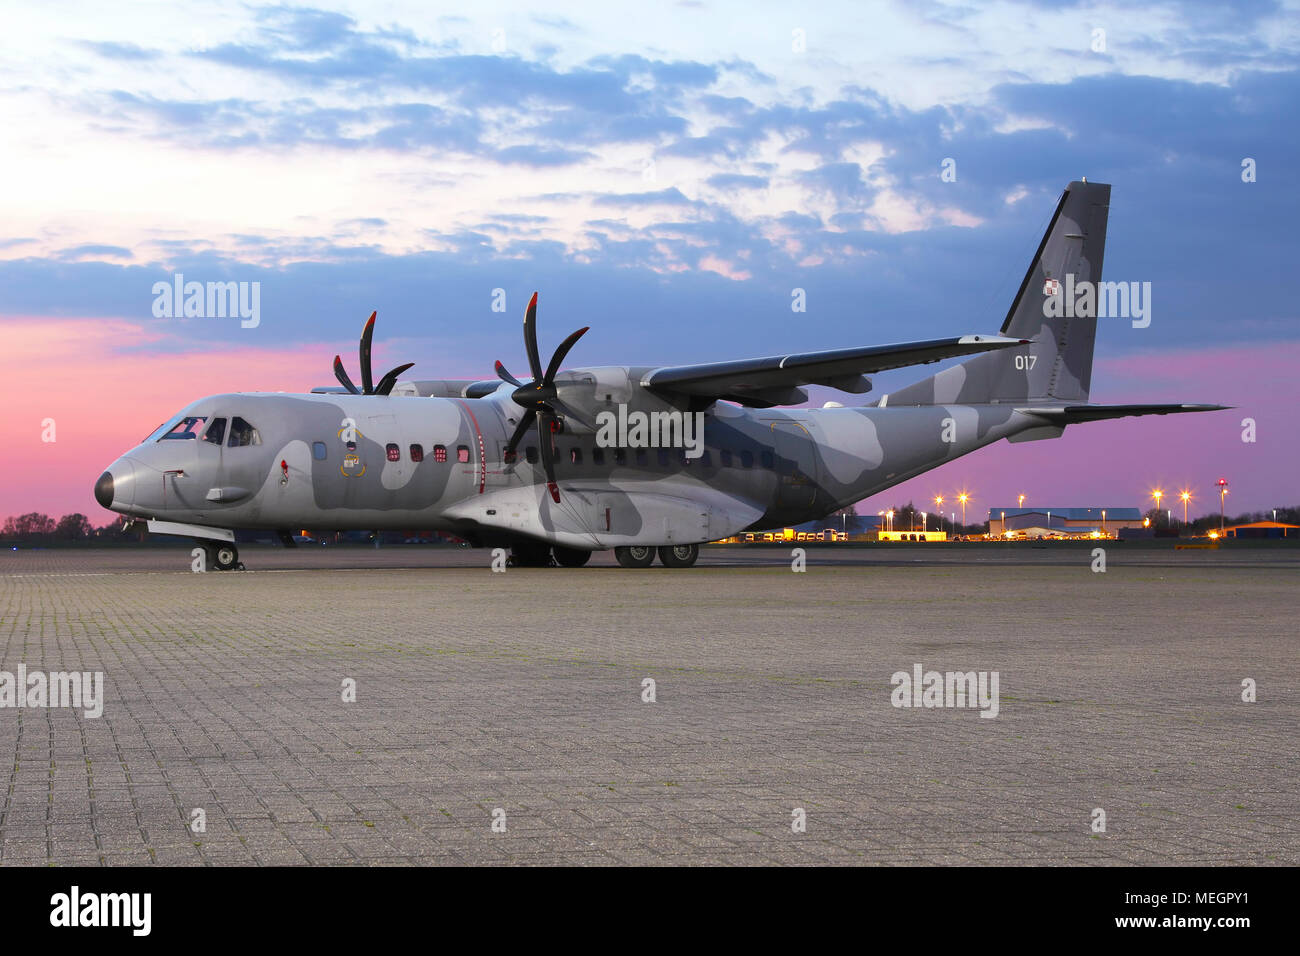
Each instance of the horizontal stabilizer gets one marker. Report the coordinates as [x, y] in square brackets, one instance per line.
[1070, 414]
[775, 379]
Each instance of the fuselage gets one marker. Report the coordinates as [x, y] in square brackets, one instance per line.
[330, 461]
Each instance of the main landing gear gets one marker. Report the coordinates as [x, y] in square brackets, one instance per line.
[535, 554]
[670, 556]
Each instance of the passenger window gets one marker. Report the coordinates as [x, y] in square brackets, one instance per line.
[462, 454]
[216, 432]
[318, 450]
[620, 456]
[724, 457]
[242, 433]
[417, 453]
[663, 457]
[598, 456]
[641, 457]
[766, 459]
[394, 453]
[530, 453]
[746, 459]
[439, 452]
[575, 456]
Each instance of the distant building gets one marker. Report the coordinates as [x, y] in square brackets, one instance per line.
[1262, 529]
[1041, 522]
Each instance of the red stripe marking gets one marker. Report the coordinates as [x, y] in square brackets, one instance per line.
[482, 454]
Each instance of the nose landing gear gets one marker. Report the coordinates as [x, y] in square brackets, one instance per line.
[221, 557]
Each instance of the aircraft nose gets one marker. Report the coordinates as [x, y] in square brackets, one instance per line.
[115, 489]
[104, 490]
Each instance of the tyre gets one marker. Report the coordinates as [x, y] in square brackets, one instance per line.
[635, 557]
[224, 557]
[530, 554]
[571, 557]
[679, 555]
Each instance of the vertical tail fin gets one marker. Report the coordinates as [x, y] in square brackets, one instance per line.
[1058, 365]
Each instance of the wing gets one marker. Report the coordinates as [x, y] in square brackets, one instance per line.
[775, 380]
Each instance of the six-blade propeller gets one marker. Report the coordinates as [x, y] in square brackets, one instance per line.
[367, 382]
[538, 397]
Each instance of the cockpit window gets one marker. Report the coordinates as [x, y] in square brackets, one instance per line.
[216, 432]
[242, 433]
[187, 427]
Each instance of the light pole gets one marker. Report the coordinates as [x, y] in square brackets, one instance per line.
[1049, 523]
[1103, 522]
[1223, 493]
[1021, 503]
[1186, 496]
[962, 498]
[890, 516]
[938, 500]
[1157, 494]
[923, 527]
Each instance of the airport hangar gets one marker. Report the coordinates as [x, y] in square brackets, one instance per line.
[1069, 521]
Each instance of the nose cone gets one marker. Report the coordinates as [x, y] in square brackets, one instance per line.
[115, 489]
[104, 490]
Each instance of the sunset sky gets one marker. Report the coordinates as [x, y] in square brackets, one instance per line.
[666, 174]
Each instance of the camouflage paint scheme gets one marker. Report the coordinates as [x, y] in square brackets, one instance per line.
[804, 463]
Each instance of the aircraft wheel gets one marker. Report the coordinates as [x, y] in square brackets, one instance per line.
[679, 555]
[224, 557]
[530, 554]
[571, 557]
[635, 557]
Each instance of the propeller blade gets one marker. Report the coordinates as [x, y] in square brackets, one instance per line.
[562, 351]
[341, 374]
[390, 379]
[544, 422]
[367, 383]
[525, 423]
[530, 339]
[507, 377]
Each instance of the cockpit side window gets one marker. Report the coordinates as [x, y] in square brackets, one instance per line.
[216, 432]
[187, 427]
[242, 433]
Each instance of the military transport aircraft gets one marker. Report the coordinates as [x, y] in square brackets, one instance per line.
[642, 460]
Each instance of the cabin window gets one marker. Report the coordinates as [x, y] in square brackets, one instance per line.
[620, 456]
[598, 456]
[575, 456]
[663, 457]
[641, 457]
[746, 459]
[766, 459]
[394, 453]
[439, 452]
[187, 427]
[242, 433]
[724, 457]
[417, 453]
[462, 454]
[318, 450]
[530, 453]
[216, 432]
